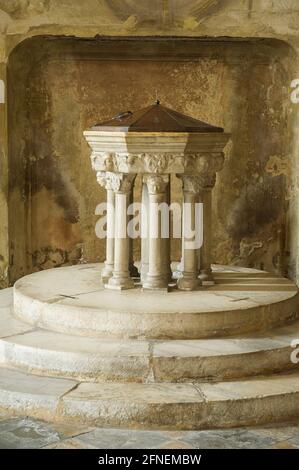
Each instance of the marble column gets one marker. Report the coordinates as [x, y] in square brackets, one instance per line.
[166, 242]
[104, 180]
[191, 189]
[122, 185]
[159, 262]
[180, 266]
[206, 275]
[144, 230]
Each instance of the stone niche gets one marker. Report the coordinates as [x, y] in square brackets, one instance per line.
[58, 86]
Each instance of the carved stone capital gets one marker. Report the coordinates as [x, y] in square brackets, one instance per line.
[205, 166]
[191, 184]
[209, 180]
[158, 163]
[102, 178]
[121, 182]
[204, 162]
[156, 184]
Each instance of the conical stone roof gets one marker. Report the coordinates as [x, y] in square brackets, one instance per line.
[155, 118]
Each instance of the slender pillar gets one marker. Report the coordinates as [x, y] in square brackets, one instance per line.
[122, 185]
[132, 268]
[104, 180]
[158, 269]
[206, 275]
[180, 266]
[189, 279]
[144, 231]
[166, 250]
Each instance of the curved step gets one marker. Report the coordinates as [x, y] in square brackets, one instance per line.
[71, 300]
[175, 406]
[94, 359]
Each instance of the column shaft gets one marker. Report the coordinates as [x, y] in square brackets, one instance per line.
[158, 269]
[109, 262]
[144, 231]
[189, 279]
[205, 252]
[132, 268]
[104, 180]
[166, 250]
[122, 185]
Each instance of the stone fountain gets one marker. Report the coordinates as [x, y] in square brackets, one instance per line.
[213, 352]
[155, 143]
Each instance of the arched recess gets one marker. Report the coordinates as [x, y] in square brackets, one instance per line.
[59, 86]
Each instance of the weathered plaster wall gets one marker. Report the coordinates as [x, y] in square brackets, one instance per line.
[70, 86]
[254, 183]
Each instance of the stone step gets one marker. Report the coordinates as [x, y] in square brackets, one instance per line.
[93, 359]
[168, 405]
[71, 300]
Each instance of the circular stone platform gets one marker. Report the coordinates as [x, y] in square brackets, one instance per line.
[72, 300]
[219, 357]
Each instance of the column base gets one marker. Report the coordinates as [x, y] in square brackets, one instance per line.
[106, 273]
[155, 283]
[116, 283]
[188, 284]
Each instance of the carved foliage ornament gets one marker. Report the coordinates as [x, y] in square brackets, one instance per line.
[121, 182]
[156, 184]
[204, 162]
[191, 184]
[116, 181]
[157, 163]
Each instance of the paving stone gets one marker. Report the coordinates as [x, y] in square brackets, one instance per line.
[283, 445]
[294, 441]
[68, 430]
[72, 443]
[176, 445]
[17, 433]
[279, 432]
[26, 433]
[227, 439]
[102, 438]
[175, 434]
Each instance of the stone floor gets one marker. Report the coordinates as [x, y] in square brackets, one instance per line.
[28, 433]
